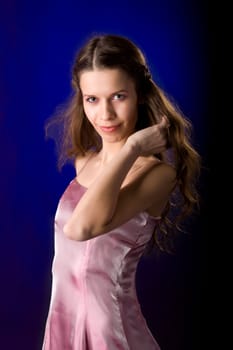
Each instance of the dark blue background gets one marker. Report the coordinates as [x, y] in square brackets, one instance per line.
[38, 40]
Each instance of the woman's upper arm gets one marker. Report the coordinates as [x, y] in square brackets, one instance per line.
[152, 190]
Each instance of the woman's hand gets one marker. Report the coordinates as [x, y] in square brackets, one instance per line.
[151, 140]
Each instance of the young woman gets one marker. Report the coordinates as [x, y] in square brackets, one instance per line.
[131, 150]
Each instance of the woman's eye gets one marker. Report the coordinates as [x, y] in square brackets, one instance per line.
[91, 99]
[118, 97]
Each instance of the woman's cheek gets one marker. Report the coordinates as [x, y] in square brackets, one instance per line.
[89, 115]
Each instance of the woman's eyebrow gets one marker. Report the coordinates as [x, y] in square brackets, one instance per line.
[112, 94]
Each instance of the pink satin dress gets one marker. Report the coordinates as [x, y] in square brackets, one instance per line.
[94, 304]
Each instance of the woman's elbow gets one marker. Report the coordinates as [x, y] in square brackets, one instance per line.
[77, 232]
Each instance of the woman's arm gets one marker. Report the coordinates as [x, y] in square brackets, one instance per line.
[105, 205]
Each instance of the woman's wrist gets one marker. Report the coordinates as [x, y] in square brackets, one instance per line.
[132, 148]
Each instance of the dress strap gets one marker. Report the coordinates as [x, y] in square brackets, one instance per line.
[85, 163]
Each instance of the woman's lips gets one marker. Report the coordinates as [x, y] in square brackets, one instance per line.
[111, 128]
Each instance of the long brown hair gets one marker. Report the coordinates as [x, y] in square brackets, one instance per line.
[78, 135]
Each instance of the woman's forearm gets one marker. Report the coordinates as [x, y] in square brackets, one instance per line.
[97, 206]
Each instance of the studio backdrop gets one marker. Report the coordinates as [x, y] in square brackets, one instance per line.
[38, 41]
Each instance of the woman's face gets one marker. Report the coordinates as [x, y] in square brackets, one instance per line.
[110, 103]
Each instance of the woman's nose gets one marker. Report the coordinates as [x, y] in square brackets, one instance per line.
[107, 111]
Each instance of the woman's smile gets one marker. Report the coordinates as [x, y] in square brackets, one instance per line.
[110, 129]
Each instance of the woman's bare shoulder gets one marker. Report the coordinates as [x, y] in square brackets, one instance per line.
[154, 174]
[81, 160]
[165, 172]
[148, 166]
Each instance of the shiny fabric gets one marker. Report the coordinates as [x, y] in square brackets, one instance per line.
[94, 304]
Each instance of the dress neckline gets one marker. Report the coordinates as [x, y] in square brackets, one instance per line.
[77, 182]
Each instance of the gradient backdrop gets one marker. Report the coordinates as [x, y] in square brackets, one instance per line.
[38, 40]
